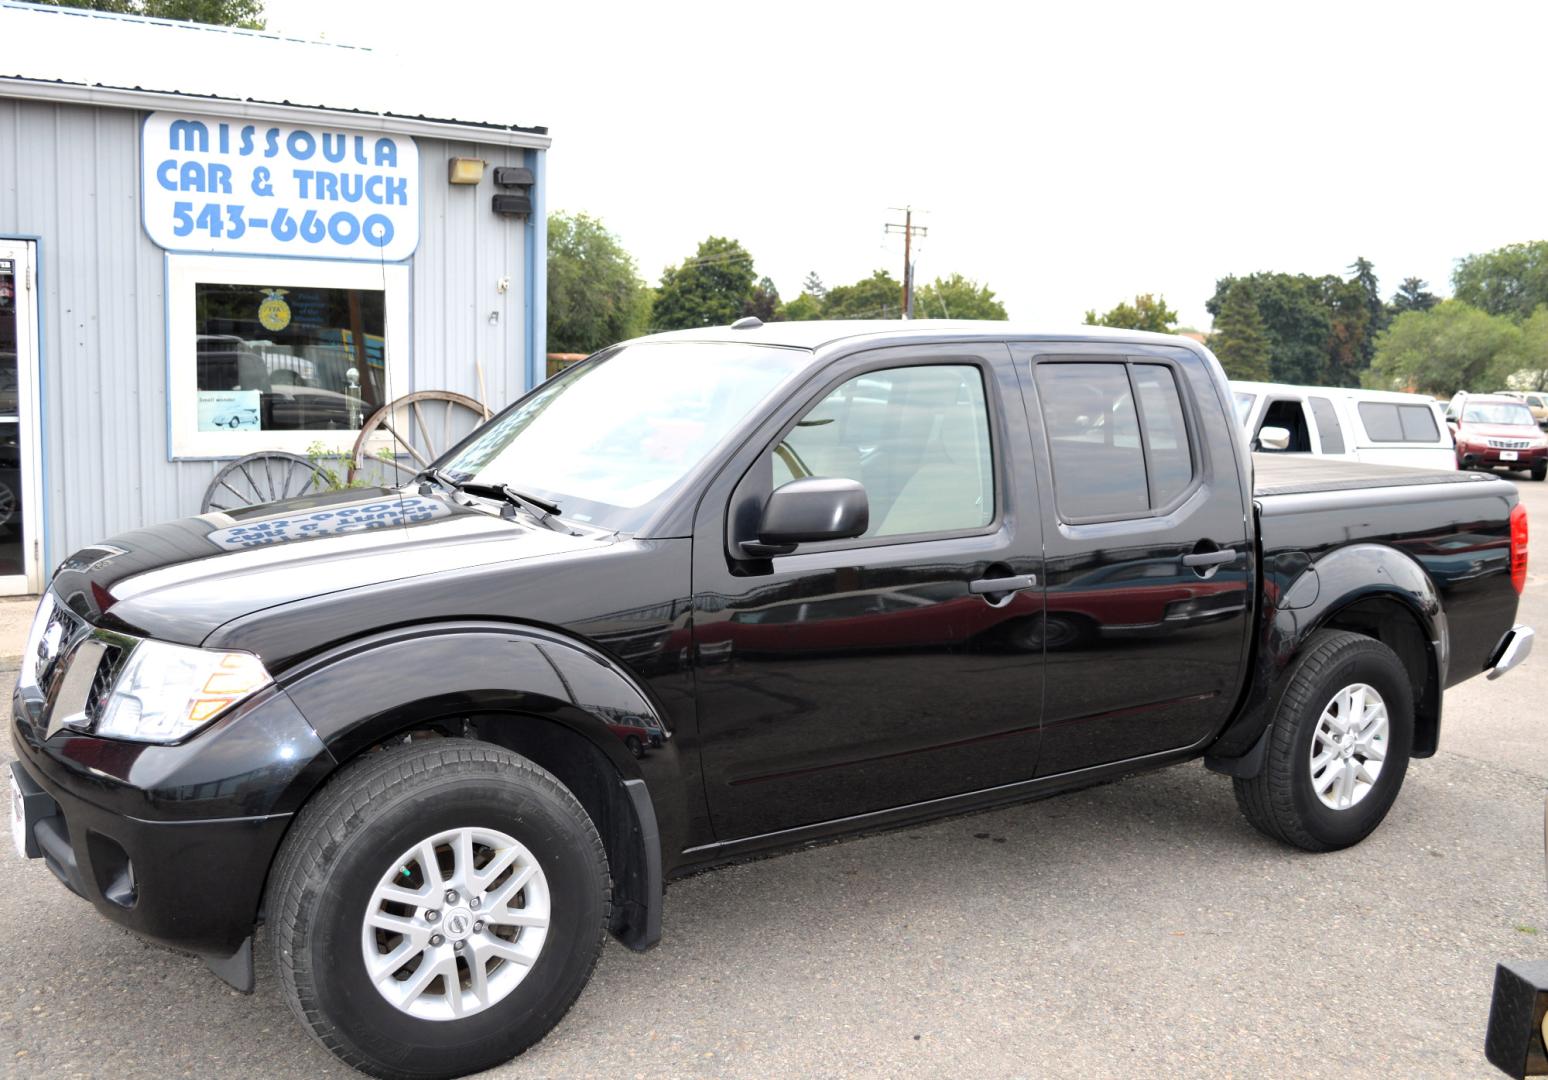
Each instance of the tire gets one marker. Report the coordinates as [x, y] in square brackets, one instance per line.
[1281, 801]
[1540, 471]
[355, 838]
[636, 747]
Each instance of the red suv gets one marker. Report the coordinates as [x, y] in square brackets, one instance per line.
[1496, 432]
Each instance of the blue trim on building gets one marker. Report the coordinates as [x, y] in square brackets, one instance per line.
[537, 272]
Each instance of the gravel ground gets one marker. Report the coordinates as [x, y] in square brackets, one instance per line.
[1138, 928]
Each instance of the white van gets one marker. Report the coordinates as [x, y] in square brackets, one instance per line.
[1377, 426]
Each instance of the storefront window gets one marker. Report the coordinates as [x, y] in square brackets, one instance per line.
[278, 354]
[288, 359]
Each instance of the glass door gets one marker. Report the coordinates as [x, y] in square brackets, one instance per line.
[19, 548]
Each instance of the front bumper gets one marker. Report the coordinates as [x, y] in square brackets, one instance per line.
[1487, 457]
[173, 842]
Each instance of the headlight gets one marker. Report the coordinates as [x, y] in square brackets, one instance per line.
[166, 692]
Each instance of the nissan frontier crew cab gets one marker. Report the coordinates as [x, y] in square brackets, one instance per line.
[709, 594]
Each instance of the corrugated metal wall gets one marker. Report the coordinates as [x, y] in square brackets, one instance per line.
[69, 175]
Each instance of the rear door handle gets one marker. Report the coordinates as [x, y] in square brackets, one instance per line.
[1210, 558]
[1002, 584]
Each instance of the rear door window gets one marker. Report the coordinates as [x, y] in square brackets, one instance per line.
[1118, 438]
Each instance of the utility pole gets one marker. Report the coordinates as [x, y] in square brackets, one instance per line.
[908, 229]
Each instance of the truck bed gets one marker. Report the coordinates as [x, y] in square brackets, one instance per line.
[1305, 474]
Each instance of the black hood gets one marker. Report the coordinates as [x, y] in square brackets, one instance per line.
[180, 580]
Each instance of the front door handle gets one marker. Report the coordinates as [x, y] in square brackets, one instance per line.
[1210, 558]
[1002, 584]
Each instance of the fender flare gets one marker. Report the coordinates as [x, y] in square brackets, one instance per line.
[364, 692]
[1306, 603]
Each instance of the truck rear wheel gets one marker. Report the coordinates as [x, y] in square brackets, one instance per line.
[1337, 748]
[437, 908]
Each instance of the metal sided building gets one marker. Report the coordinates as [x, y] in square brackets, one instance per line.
[215, 242]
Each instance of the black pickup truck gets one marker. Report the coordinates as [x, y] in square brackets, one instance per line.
[709, 594]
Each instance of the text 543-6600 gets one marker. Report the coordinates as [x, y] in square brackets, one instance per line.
[232, 220]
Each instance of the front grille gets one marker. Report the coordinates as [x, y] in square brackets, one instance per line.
[102, 683]
[63, 629]
[1509, 444]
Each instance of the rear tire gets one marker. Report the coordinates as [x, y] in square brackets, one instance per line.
[351, 865]
[1340, 679]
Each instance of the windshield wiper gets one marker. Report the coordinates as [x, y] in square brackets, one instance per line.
[541, 509]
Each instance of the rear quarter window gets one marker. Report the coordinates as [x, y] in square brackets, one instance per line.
[1390, 422]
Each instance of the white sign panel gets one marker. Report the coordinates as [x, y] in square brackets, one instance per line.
[229, 187]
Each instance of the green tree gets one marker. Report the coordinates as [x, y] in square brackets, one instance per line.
[1412, 296]
[246, 14]
[813, 285]
[1363, 276]
[957, 297]
[1529, 360]
[803, 308]
[712, 288]
[1453, 346]
[879, 296]
[1512, 280]
[1299, 320]
[595, 295]
[1148, 312]
[764, 302]
[1240, 340]
[1351, 341]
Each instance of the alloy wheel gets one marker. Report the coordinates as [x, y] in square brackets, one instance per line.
[1349, 746]
[456, 923]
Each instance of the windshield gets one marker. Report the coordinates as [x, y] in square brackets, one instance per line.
[1244, 406]
[1498, 414]
[608, 439]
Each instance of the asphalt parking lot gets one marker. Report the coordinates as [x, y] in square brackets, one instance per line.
[1139, 928]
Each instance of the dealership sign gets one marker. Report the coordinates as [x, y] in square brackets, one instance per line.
[233, 188]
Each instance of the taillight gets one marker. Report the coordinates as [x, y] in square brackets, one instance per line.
[1518, 546]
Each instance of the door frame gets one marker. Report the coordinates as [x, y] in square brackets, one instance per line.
[28, 414]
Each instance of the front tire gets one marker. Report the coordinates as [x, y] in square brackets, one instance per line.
[409, 868]
[1338, 746]
[1540, 471]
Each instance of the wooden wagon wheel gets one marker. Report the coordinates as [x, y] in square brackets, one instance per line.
[267, 476]
[419, 428]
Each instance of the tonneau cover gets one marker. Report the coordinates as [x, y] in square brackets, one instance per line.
[1299, 474]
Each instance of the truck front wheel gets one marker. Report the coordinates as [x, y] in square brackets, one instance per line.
[437, 908]
[1337, 748]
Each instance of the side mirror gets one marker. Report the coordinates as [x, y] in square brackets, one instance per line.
[807, 511]
[1274, 438]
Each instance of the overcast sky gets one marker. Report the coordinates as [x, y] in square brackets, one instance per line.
[1068, 155]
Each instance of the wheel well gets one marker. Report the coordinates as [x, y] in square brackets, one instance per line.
[591, 778]
[1396, 627]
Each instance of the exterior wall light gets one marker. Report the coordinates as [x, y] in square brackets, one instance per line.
[464, 170]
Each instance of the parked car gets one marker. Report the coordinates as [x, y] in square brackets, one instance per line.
[1495, 432]
[392, 725]
[1378, 426]
[1535, 400]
